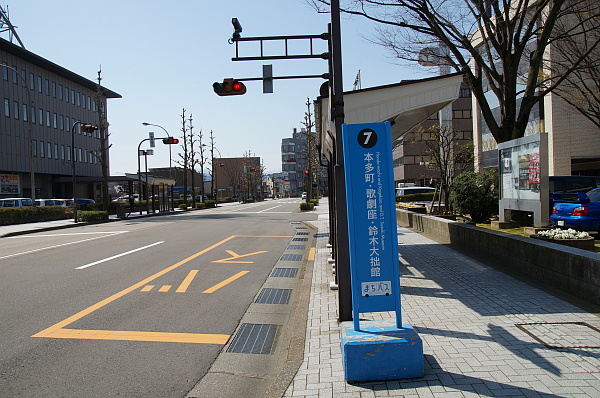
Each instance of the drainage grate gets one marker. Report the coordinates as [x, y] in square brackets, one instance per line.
[299, 239]
[295, 223]
[301, 233]
[301, 228]
[274, 296]
[563, 334]
[284, 272]
[296, 247]
[291, 257]
[322, 235]
[254, 338]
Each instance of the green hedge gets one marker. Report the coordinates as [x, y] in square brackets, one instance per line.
[34, 212]
[90, 216]
[210, 204]
[183, 206]
[307, 206]
[200, 205]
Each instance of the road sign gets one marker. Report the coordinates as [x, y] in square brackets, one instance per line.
[372, 218]
[151, 137]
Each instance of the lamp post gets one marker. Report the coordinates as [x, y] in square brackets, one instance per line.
[30, 134]
[168, 135]
[88, 128]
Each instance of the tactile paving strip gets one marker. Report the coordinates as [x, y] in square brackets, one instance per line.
[563, 334]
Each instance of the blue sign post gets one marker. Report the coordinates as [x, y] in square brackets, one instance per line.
[377, 350]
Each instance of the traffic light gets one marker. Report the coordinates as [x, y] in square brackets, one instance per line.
[170, 141]
[88, 128]
[229, 87]
[305, 171]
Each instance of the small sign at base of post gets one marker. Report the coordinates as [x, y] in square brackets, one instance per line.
[375, 350]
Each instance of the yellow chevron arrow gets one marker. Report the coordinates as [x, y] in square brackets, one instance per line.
[235, 256]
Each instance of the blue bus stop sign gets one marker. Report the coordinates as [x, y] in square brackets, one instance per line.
[371, 210]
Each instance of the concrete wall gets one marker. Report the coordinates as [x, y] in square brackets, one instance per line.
[572, 270]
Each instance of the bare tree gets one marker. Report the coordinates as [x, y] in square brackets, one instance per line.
[499, 45]
[311, 152]
[192, 160]
[213, 194]
[102, 133]
[185, 156]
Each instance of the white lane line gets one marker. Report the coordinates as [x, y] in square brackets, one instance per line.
[73, 234]
[270, 208]
[119, 255]
[53, 247]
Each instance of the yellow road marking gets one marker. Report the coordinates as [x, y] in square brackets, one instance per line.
[139, 336]
[187, 281]
[165, 288]
[100, 304]
[311, 254]
[225, 282]
[235, 256]
[147, 288]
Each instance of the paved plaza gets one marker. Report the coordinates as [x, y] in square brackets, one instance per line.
[485, 334]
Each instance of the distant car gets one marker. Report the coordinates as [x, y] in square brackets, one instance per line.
[82, 204]
[65, 202]
[577, 210]
[303, 195]
[8, 203]
[50, 202]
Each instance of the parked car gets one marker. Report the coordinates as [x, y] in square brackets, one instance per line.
[303, 195]
[7, 203]
[577, 210]
[82, 204]
[50, 202]
[65, 202]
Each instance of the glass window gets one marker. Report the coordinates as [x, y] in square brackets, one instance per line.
[55, 151]
[39, 79]
[5, 72]
[34, 147]
[41, 117]
[14, 74]
[66, 94]
[90, 158]
[60, 92]
[69, 153]
[25, 113]
[33, 114]
[68, 123]
[24, 76]
[73, 97]
[62, 152]
[41, 149]
[16, 109]
[78, 99]
[49, 150]
[89, 99]
[47, 87]
[62, 122]
[6, 107]
[79, 150]
[83, 101]
[55, 120]
[53, 89]
[32, 81]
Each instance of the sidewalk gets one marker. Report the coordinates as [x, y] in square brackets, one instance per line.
[485, 334]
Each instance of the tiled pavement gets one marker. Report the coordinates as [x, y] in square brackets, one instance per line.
[485, 334]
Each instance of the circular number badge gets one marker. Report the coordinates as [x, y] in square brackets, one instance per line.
[367, 138]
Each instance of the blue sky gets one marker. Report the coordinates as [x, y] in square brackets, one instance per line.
[164, 56]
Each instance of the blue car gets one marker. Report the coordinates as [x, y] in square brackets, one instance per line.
[577, 210]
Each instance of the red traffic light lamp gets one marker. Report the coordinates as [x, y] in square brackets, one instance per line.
[229, 87]
[170, 141]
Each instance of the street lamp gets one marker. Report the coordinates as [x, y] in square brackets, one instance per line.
[170, 158]
[30, 136]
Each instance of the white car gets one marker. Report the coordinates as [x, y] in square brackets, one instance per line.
[303, 195]
[8, 203]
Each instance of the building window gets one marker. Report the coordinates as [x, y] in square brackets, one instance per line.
[83, 101]
[6, 107]
[465, 93]
[47, 118]
[5, 73]
[73, 97]
[53, 89]
[33, 114]
[49, 151]
[55, 120]
[461, 114]
[90, 158]
[62, 152]
[32, 81]
[55, 151]
[89, 102]
[78, 99]
[41, 117]
[68, 153]
[14, 73]
[60, 92]
[25, 113]
[34, 147]
[41, 149]
[66, 95]
[24, 77]
[68, 124]
[80, 157]
[62, 122]
[16, 109]
[47, 87]
[39, 79]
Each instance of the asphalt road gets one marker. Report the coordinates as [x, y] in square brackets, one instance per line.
[136, 308]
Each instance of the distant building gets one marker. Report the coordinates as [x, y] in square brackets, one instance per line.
[238, 178]
[293, 159]
[48, 99]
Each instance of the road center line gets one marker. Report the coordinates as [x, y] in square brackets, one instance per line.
[270, 208]
[119, 255]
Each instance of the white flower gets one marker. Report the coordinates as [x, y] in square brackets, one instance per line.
[563, 234]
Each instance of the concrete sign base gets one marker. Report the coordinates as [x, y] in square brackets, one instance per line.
[381, 351]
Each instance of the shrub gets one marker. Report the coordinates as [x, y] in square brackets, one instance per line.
[183, 206]
[249, 200]
[200, 205]
[315, 202]
[210, 203]
[475, 194]
[33, 212]
[307, 206]
[90, 216]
